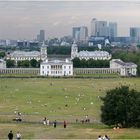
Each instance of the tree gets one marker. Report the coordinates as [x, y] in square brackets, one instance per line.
[2, 54]
[19, 64]
[26, 63]
[33, 63]
[83, 63]
[10, 63]
[76, 62]
[121, 106]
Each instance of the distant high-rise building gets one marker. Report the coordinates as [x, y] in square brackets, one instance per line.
[83, 33]
[93, 27]
[76, 33]
[80, 33]
[101, 28]
[135, 34]
[38, 37]
[42, 35]
[112, 29]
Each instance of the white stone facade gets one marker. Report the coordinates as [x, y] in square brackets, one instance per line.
[126, 69]
[56, 68]
[96, 55]
[22, 55]
[2, 64]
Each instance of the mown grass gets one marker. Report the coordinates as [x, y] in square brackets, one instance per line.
[60, 99]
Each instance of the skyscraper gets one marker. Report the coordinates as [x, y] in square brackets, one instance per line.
[135, 34]
[76, 33]
[42, 35]
[101, 28]
[112, 29]
[83, 33]
[38, 37]
[93, 27]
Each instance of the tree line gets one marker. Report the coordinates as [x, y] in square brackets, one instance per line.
[23, 64]
[90, 63]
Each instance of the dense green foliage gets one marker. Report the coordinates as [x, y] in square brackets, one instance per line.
[23, 64]
[91, 63]
[2, 54]
[34, 63]
[67, 50]
[59, 50]
[10, 63]
[121, 106]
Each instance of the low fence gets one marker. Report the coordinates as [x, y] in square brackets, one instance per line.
[76, 71]
[79, 71]
[30, 71]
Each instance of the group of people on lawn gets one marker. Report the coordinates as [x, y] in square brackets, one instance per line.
[47, 122]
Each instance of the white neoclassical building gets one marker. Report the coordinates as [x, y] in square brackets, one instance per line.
[22, 55]
[126, 69]
[2, 64]
[96, 55]
[56, 68]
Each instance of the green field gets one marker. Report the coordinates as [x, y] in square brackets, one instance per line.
[60, 99]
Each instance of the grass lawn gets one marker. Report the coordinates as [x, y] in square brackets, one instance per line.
[60, 99]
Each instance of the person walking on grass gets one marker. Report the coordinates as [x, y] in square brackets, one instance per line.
[18, 136]
[54, 124]
[48, 122]
[10, 135]
[44, 121]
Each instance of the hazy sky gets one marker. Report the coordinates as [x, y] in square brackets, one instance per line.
[24, 19]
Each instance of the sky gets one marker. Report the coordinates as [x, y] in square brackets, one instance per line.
[23, 19]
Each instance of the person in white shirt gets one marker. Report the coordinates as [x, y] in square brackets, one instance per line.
[48, 122]
[99, 137]
[44, 121]
[106, 137]
[18, 136]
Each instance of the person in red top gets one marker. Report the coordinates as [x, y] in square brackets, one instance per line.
[65, 124]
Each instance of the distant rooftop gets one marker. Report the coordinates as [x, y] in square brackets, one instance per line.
[93, 53]
[23, 53]
[129, 64]
[57, 61]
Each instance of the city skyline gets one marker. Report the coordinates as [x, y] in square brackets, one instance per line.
[23, 20]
